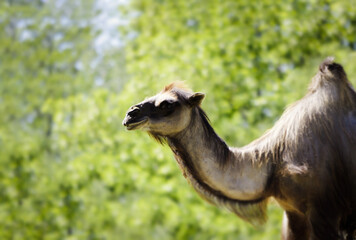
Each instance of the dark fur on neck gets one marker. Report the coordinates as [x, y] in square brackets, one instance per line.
[220, 147]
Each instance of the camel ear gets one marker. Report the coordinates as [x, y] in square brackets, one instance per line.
[196, 99]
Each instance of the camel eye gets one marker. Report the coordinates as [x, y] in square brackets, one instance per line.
[165, 105]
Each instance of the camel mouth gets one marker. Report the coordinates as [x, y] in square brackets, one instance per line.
[132, 125]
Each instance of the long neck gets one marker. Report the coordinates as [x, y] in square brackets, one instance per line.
[236, 173]
[217, 171]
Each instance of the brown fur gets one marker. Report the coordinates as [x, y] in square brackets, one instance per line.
[178, 86]
[316, 140]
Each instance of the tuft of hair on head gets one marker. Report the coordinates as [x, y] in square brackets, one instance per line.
[176, 85]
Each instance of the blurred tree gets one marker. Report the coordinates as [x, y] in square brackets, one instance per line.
[70, 171]
[48, 59]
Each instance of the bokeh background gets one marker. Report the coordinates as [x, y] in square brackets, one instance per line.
[69, 70]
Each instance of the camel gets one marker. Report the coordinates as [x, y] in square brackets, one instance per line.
[306, 161]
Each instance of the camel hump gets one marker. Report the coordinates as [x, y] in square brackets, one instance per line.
[329, 66]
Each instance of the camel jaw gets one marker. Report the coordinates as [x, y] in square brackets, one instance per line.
[133, 124]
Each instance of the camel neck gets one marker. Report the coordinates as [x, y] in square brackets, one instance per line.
[231, 172]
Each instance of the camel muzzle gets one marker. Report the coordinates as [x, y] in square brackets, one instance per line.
[134, 118]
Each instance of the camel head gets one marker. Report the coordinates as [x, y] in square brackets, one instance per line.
[165, 114]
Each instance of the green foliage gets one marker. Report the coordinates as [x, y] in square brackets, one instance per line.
[71, 171]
